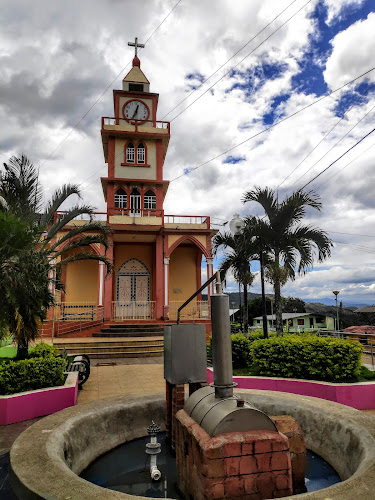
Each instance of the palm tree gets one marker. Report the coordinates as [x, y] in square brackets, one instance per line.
[50, 247]
[290, 246]
[238, 259]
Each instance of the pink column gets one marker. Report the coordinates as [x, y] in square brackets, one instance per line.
[210, 270]
[159, 277]
[166, 287]
[108, 284]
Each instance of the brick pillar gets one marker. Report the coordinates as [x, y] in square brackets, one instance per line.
[178, 402]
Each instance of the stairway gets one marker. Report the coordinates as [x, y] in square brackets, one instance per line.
[126, 348]
[125, 330]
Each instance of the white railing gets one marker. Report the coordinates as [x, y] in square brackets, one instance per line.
[138, 123]
[185, 219]
[122, 310]
[193, 311]
[69, 317]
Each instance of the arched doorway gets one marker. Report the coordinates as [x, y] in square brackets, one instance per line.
[133, 291]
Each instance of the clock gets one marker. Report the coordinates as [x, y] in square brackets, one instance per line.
[135, 110]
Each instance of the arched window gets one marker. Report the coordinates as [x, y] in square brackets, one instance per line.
[130, 153]
[149, 200]
[121, 200]
[141, 153]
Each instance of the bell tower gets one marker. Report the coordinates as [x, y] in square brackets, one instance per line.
[135, 145]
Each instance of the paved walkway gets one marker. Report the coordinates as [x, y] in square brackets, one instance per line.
[128, 376]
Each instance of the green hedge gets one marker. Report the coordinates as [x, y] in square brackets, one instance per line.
[31, 374]
[43, 350]
[308, 357]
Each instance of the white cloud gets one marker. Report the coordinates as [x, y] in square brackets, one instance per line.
[352, 54]
[336, 7]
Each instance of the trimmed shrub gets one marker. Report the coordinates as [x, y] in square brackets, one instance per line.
[308, 357]
[240, 350]
[43, 350]
[31, 374]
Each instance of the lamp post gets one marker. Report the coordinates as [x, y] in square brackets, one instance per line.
[235, 226]
[336, 292]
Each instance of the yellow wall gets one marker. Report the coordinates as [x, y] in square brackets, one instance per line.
[135, 172]
[182, 273]
[81, 281]
[124, 252]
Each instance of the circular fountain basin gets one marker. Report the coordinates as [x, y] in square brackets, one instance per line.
[47, 458]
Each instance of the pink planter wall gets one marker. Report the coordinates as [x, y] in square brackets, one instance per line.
[360, 395]
[25, 405]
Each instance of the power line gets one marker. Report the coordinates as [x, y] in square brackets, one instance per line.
[361, 248]
[249, 54]
[347, 165]
[226, 62]
[351, 234]
[275, 124]
[327, 134]
[337, 159]
[338, 142]
[105, 91]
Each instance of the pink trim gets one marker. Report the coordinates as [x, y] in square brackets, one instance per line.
[185, 238]
[360, 395]
[25, 405]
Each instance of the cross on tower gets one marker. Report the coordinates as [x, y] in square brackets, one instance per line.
[136, 45]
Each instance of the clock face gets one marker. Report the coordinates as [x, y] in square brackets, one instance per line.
[136, 110]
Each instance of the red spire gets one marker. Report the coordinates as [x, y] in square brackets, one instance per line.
[136, 62]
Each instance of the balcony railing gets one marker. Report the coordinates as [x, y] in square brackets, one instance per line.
[193, 311]
[169, 221]
[134, 125]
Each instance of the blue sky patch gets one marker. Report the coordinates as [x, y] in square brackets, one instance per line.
[359, 96]
[234, 159]
[194, 80]
[187, 171]
[273, 115]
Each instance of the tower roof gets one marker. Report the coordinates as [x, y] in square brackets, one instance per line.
[136, 74]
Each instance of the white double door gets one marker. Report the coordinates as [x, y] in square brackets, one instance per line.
[133, 296]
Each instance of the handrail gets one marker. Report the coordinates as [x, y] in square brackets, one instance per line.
[216, 276]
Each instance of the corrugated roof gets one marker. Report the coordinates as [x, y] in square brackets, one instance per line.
[289, 315]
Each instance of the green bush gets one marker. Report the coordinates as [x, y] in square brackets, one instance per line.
[31, 374]
[43, 350]
[308, 357]
[240, 350]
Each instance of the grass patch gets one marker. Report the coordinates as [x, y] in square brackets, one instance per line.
[9, 351]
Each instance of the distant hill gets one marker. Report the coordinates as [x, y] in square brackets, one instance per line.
[332, 302]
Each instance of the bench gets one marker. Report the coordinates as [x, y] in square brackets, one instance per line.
[77, 363]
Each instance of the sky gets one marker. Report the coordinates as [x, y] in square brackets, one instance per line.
[60, 61]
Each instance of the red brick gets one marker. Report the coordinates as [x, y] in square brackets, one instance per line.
[248, 448]
[263, 462]
[283, 482]
[280, 460]
[199, 433]
[232, 449]
[263, 445]
[250, 483]
[282, 493]
[248, 465]
[234, 487]
[232, 466]
[213, 468]
[216, 490]
[266, 484]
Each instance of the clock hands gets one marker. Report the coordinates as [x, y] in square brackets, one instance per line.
[136, 111]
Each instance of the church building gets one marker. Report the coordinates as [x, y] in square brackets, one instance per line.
[157, 257]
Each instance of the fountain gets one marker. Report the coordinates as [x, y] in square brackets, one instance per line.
[48, 457]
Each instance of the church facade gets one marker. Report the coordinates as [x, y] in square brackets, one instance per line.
[156, 257]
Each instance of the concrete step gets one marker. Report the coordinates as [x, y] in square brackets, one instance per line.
[111, 344]
[136, 326]
[122, 354]
[93, 351]
[129, 333]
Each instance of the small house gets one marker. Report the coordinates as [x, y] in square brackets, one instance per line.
[294, 322]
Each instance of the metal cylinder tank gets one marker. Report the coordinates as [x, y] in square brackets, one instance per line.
[231, 414]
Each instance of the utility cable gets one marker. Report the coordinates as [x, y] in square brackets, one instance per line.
[343, 168]
[327, 134]
[337, 159]
[338, 142]
[106, 90]
[227, 61]
[235, 66]
[275, 124]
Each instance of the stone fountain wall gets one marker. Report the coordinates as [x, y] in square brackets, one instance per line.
[252, 464]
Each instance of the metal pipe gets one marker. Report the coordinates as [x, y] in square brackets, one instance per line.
[221, 345]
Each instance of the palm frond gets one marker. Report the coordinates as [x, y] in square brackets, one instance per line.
[71, 214]
[266, 197]
[85, 256]
[58, 198]
[92, 226]
[79, 242]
